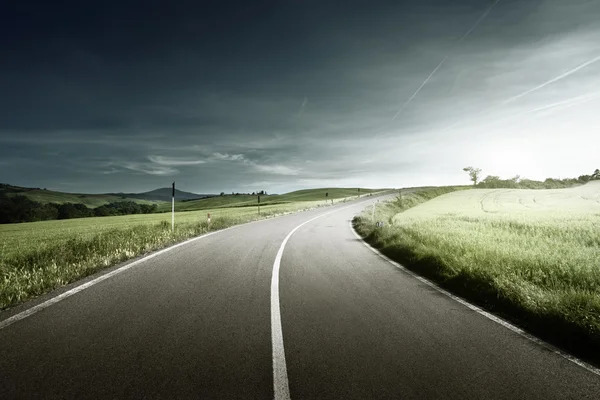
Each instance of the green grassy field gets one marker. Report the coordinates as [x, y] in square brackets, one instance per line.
[37, 257]
[251, 201]
[533, 255]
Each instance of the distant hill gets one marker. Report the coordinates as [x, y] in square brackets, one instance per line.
[164, 194]
[50, 196]
[246, 200]
[95, 200]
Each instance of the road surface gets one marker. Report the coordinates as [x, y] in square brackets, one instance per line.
[195, 322]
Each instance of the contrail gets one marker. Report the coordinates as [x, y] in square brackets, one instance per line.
[478, 21]
[552, 108]
[561, 76]
[562, 105]
[559, 105]
[440, 64]
[301, 111]
[419, 89]
[568, 103]
[564, 75]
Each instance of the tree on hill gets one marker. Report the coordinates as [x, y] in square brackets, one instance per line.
[148, 208]
[474, 174]
[74, 210]
[585, 178]
[22, 209]
[596, 174]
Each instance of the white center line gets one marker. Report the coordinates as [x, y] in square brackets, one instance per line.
[280, 379]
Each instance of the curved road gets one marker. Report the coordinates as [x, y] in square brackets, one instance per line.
[195, 322]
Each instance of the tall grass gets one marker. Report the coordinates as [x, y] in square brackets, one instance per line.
[542, 270]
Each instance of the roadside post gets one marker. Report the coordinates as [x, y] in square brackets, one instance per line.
[259, 204]
[208, 218]
[326, 195]
[359, 193]
[173, 208]
[373, 212]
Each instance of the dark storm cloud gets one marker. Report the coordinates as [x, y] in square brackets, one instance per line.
[125, 96]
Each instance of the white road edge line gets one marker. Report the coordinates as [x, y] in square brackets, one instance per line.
[29, 312]
[486, 314]
[281, 387]
[62, 296]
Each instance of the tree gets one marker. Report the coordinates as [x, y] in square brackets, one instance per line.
[222, 194]
[596, 174]
[73, 210]
[491, 181]
[474, 174]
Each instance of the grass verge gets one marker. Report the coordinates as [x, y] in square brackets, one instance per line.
[541, 273]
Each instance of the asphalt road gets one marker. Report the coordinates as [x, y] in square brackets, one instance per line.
[195, 322]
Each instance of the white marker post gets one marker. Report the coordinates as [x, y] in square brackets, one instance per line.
[173, 209]
[373, 212]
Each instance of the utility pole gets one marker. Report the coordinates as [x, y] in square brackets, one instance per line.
[259, 204]
[173, 209]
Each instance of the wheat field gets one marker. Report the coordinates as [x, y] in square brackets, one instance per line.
[535, 253]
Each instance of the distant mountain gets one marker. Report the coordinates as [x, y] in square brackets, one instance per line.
[94, 200]
[164, 194]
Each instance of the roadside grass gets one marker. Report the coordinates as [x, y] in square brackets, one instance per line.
[530, 261]
[37, 257]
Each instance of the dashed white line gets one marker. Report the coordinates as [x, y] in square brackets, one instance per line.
[486, 314]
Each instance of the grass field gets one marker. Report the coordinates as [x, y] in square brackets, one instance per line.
[531, 254]
[37, 257]
[251, 201]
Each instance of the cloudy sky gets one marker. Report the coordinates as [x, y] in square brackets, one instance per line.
[103, 96]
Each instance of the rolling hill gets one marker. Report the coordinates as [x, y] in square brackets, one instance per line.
[244, 200]
[95, 200]
[163, 194]
[187, 201]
